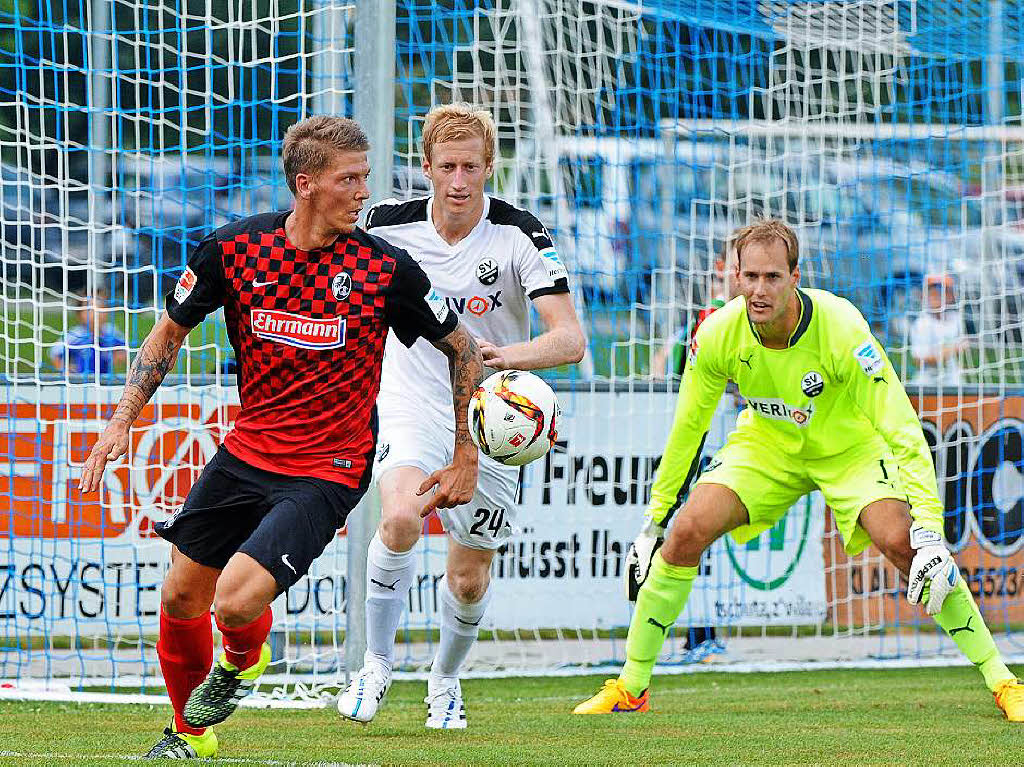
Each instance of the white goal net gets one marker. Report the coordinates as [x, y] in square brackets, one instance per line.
[642, 134]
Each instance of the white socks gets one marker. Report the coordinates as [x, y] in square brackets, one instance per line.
[460, 624]
[389, 574]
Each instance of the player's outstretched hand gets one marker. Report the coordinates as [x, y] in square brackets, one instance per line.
[494, 356]
[453, 485]
[112, 444]
[639, 556]
[932, 565]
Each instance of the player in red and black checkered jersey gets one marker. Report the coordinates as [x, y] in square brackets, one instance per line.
[308, 300]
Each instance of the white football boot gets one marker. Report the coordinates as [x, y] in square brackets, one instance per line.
[445, 709]
[362, 697]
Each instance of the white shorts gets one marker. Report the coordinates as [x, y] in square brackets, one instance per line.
[489, 519]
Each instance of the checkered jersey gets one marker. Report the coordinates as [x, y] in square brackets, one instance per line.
[308, 329]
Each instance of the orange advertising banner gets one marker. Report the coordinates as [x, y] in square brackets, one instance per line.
[977, 444]
[48, 442]
[52, 428]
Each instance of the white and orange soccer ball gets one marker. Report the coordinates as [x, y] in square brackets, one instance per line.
[513, 417]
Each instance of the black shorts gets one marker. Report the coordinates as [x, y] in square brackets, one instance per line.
[282, 522]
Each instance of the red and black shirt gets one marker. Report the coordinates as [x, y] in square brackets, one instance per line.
[308, 328]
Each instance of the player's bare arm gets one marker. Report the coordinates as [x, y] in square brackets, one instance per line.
[156, 357]
[562, 343]
[455, 483]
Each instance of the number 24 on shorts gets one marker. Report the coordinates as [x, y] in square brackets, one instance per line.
[487, 519]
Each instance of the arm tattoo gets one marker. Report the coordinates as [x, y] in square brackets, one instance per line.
[154, 360]
[467, 370]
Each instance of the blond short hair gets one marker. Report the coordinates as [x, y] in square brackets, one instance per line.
[454, 122]
[311, 144]
[768, 230]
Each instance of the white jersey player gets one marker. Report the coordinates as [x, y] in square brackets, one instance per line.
[487, 260]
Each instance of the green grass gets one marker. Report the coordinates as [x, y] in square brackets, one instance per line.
[29, 337]
[926, 717]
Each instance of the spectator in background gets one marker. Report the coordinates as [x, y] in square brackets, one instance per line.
[937, 335]
[722, 289]
[91, 346]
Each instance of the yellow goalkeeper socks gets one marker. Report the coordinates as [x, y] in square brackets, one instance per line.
[962, 621]
[658, 604]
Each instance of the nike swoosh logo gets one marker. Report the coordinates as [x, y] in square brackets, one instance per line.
[284, 558]
[467, 623]
[256, 284]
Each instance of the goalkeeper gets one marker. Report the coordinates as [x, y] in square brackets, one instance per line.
[825, 411]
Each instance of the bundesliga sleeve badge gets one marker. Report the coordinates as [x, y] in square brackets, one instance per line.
[437, 305]
[869, 358]
[186, 283]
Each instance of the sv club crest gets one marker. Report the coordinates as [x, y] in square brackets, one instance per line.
[487, 270]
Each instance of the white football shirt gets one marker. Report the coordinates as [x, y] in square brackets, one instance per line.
[485, 279]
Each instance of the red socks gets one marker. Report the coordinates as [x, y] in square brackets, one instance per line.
[242, 645]
[185, 649]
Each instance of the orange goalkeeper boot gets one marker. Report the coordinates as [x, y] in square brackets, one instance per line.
[613, 698]
[1010, 698]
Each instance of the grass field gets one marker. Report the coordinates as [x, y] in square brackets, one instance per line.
[890, 717]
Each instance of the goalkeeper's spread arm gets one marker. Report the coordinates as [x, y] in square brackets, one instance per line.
[699, 394]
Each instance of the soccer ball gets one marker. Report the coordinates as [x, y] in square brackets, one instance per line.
[513, 417]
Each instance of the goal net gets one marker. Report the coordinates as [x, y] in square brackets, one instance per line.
[642, 134]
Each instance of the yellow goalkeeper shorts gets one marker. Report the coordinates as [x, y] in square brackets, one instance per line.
[769, 482]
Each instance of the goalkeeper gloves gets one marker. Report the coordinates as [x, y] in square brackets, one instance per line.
[639, 556]
[933, 564]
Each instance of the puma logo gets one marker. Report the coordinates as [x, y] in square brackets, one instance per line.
[963, 628]
[880, 379]
[384, 585]
[747, 360]
[663, 626]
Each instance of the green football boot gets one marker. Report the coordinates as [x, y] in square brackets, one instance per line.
[181, 745]
[218, 696]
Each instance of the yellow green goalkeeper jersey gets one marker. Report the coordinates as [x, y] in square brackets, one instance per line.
[830, 389]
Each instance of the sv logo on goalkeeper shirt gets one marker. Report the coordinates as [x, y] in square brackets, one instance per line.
[777, 410]
[812, 383]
